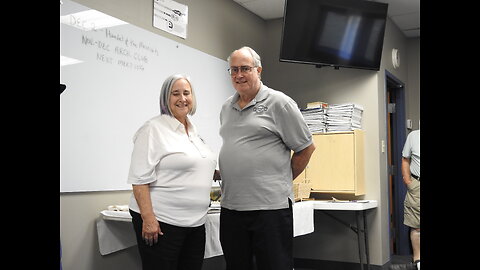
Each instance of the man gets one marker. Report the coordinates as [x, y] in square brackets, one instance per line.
[411, 178]
[259, 127]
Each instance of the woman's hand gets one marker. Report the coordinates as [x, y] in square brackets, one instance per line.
[151, 230]
[150, 227]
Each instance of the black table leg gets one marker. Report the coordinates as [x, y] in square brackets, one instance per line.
[365, 233]
[357, 216]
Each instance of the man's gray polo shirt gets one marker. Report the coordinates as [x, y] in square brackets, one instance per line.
[255, 156]
[411, 150]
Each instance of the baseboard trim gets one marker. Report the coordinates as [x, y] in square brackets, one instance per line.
[330, 265]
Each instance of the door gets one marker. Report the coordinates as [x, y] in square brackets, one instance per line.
[399, 233]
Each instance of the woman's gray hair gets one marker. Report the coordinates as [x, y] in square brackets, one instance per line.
[165, 94]
[256, 58]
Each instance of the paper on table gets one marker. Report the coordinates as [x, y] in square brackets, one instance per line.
[335, 200]
[117, 207]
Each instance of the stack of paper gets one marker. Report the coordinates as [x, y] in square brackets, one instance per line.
[344, 117]
[317, 104]
[315, 119]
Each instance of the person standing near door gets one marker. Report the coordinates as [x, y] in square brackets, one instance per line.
[411, 178]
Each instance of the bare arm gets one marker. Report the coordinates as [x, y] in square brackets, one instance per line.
[151, 228]
[406, 171]
[300, 160]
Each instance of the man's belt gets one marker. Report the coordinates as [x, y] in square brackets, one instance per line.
[414, 176]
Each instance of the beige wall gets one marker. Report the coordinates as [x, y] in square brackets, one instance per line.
[78, 232]
[217, 27]
[413, 91]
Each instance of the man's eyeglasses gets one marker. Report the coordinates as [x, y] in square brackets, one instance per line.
[243, 69]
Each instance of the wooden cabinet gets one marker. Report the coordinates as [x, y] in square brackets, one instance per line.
[337, 165]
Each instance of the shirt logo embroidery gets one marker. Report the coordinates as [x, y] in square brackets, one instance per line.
[260, 109]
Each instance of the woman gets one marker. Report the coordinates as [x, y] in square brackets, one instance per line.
[171, 173]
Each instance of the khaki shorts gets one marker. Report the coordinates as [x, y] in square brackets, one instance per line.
[412, 205]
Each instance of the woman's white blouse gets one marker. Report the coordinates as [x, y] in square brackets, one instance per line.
[178, 167]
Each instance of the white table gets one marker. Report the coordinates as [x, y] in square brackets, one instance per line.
[115, 230]
[358, 207]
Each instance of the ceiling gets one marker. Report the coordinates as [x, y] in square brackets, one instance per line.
[404, 13]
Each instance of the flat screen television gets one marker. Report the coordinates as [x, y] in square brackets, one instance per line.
[337, 33]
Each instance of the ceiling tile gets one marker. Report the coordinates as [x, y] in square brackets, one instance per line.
[407, 21]
[404, 13]
[267, 9]
[398, 7]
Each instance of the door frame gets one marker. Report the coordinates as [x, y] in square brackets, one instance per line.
[395, 141]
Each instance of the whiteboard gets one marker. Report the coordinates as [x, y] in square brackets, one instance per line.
[115, 88]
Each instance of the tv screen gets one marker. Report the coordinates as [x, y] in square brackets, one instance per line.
[338, 33]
